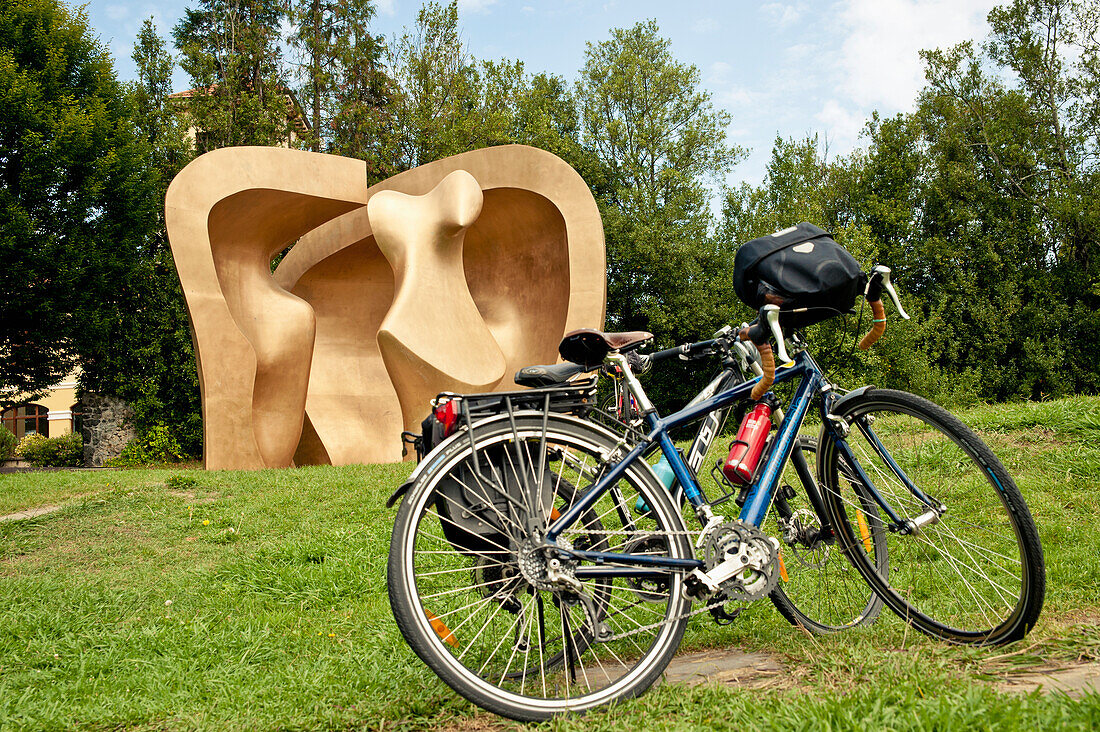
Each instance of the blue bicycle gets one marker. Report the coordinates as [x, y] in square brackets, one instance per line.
[539, 566]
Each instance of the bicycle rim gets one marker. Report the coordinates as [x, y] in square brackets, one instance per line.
[487, 620]
[974, 574]
[819, 589]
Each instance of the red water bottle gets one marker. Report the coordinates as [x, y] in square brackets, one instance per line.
[745, 450]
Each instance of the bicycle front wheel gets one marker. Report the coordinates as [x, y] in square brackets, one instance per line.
[965, 563]
[819, 588]
[515, 627]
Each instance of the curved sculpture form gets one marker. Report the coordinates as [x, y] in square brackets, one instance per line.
[422, 238]
[228, 213]
[431, 280]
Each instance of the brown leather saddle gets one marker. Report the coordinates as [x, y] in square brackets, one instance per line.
[589, 347]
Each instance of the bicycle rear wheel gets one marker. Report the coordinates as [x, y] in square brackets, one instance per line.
[971, 574]
[819, 589]
[474, 590]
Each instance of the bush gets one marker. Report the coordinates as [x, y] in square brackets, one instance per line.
[7, 444]
[66, 451]
[156, 446]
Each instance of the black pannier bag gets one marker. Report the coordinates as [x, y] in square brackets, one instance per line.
[801, 269]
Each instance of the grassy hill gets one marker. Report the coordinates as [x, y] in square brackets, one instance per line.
[187, 599]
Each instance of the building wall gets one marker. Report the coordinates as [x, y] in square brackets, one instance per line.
[59, 400]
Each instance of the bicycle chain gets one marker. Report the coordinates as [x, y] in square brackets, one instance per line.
[653, 626]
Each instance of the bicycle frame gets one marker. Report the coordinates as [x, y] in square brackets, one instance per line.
[760, 493]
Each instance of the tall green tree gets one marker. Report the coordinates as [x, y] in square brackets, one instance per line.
[344, 88]
[437, 89]
[156, 373]
[661, 145]
[76, 200]
[164, 128]
[232, 51]
[1007, 241]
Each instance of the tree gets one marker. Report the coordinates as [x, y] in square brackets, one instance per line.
[76, 198]
[437, 89]
[156, 371]
[231, 49]
[163, 128]
[1007, 241]
[660, 144]
[344, 86]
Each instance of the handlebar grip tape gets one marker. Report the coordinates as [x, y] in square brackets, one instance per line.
[767, 363]
[878, 325]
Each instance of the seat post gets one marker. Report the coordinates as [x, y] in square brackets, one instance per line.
[632, 384]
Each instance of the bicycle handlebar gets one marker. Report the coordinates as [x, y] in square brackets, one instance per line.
[685, 351]
[879, 281]
[766, 327]
[758, 335]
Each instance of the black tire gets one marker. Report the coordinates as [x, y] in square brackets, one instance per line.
[976, 575]
[481, 620]
[819, 588]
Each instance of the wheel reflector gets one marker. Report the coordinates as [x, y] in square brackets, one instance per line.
[864, 532]
[442, 630]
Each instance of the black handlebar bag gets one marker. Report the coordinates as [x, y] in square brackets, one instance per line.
[801, 269]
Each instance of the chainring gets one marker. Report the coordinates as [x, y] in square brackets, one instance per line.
[760, 552]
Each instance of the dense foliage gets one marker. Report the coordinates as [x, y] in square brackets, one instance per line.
[66, 451]
[8, 442]
[75, 199]
[986, 202]
[985, 199]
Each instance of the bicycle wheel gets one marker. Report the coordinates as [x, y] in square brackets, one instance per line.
[819, 589]
[480, 601]
[973, 575]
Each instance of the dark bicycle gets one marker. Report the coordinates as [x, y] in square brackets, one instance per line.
[538, 564]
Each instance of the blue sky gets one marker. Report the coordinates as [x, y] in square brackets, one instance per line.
[779, 68]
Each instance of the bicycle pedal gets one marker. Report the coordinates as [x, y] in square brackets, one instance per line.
[721, 617]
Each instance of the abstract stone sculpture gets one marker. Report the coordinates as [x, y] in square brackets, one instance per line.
[450, 276]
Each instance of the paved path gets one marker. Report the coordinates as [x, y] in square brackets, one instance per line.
[30, 513]
[1075, 680]
[723, 666]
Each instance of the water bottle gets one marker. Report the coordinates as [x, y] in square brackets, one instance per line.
[667, 478]
[745, 450]
[664, 472]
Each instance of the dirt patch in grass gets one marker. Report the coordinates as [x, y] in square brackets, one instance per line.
[1089, 617]
[30, 513]
[1076, 680]
[1036, 439]
[743, 670]
[477, 723]
[193, 496]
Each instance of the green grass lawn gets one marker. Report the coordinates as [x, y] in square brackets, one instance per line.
[185, 599]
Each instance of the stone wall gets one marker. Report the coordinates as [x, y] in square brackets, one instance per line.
[107, 427]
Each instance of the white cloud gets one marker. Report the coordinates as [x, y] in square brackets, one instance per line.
[704, 25]
[384, 6]
[879, 59]
[475, 6]
[735, 97]
[117, 12]
[782, 14]
[840, 126]
[718, 74]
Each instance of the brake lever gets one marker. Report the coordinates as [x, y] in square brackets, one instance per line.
[884, 274]
[771, 314]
